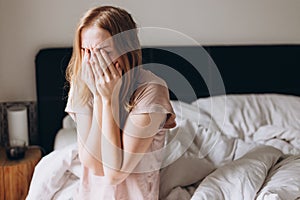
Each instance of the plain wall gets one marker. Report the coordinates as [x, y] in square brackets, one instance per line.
[29, 25]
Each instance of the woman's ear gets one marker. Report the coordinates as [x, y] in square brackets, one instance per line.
[118, 67]
[118, 64]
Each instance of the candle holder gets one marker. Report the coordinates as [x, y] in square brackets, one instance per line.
[15, 149]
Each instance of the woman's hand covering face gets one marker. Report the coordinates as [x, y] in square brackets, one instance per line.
[107, 75]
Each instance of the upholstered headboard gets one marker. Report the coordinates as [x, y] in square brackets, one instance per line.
[188, 70]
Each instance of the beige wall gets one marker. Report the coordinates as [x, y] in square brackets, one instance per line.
[28, 25]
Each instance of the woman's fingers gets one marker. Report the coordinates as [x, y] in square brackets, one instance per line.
[111, 68]
[102, 66]
[107, 65]
[105, 73]
[102, 63]
[96, 66]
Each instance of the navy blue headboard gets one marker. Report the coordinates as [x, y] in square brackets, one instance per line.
[244, 69]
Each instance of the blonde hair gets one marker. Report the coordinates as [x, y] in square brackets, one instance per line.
[114, 20]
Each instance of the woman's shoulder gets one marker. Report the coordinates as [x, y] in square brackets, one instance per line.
[147, 77]
[149, 86]
[152, 96]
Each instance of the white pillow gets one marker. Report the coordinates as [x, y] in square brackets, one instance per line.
[183, 172]
[67, 134]
[241, 115]
[68, 122]
[65, 137]
[193, 152]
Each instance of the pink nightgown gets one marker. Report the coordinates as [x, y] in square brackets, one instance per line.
[150, 96]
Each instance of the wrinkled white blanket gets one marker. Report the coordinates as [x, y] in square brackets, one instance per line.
[238, 147]
[264, 127]
[56, 175]
[241, 178]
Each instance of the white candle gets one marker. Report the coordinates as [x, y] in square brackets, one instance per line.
[17, 123]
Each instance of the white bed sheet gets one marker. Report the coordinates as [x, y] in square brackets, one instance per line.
[220, 132]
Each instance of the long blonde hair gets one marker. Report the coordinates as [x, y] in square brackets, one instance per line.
[114, 20]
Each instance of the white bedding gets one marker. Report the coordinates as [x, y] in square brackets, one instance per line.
[66, 135]
[238, 147]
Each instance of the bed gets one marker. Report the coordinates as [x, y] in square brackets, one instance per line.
[238, 122]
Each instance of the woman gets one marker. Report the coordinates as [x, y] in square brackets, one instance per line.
[121, 110]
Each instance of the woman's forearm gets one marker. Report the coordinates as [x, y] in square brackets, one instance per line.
[112, 154]
[92, 159]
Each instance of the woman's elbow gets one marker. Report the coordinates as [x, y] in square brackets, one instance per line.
[115, 177]
[113, 180]
[92, 164]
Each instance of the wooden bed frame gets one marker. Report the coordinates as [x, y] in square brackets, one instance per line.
[244, 69]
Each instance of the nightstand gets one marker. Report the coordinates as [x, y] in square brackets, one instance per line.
[15, 175]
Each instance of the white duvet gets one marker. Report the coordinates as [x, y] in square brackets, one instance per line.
[231, 147]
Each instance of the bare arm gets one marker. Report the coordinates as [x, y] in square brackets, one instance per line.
[120, 150]
[89, 134]
[120, 156]
[88, 126]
